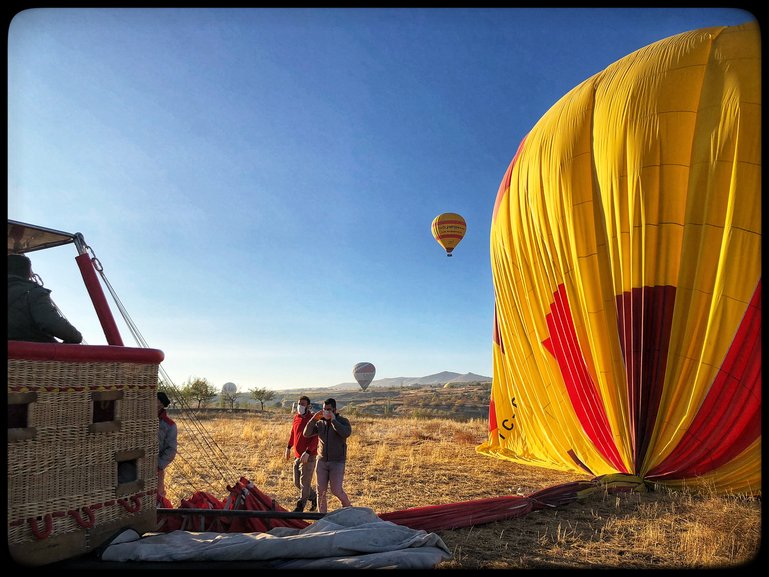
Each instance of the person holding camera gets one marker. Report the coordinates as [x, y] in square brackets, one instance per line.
[332, 430]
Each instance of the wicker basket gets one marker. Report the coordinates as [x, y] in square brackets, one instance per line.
[80, 423]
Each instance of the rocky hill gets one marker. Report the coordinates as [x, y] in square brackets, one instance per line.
[446, 395]
[441, 378]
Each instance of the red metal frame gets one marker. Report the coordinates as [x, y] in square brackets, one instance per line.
[100, 304]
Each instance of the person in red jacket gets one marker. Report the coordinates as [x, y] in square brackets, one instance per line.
[304, 451]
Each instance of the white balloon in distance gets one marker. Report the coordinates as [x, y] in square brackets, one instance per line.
[229, 388]
[364, 374]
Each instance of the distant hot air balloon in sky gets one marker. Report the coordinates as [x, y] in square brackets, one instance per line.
[448, 229]
[364, 374]
[626, 260]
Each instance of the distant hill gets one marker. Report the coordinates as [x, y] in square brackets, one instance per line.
[436, 379]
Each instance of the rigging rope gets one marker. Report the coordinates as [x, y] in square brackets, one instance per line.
[204, 454]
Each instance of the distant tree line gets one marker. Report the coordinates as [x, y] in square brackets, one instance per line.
[199, 393]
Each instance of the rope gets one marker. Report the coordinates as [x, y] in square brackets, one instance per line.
[204, 454]
[134, 506]
[40, 535]
[89, 512]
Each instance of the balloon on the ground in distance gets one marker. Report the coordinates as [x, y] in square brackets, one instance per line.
[364, 374]
[229, 388]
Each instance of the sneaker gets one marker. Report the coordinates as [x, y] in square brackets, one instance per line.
[299, 506]
[313, 503]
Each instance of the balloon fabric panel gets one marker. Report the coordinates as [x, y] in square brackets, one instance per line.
[732, 407]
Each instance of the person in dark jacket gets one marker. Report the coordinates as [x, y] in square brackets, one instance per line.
[332, 430]
[305, 451]
[32, 316]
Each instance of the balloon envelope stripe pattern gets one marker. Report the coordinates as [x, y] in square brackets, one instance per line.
[644, 348]
[563, 345]
[730, 418]
[625, 251]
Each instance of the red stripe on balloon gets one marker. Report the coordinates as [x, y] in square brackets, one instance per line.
[492, 416]
[579, 462]
[585, 400]
[644, 319]
[729, 419]
[497, 336]
[504, 186]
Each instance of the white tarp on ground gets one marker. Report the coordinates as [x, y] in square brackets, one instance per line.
[352, 537]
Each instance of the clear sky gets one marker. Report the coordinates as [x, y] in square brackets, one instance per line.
[259, 184]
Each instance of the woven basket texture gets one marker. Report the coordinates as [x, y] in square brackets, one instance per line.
[67, 466]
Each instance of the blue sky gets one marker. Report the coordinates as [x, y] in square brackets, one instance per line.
[259, 184]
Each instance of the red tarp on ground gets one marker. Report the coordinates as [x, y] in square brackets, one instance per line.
[245, 496]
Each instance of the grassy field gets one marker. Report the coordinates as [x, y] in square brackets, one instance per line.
[399, 462]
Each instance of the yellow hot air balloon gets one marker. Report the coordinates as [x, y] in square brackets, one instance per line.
[449, 229]
[626, 259]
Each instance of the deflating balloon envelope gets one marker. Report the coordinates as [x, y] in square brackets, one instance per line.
[626, 261]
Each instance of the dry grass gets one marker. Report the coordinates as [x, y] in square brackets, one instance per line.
[395, 463]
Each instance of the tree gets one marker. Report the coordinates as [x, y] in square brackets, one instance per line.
[198, 389]
[262, 395]
[229, 397]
